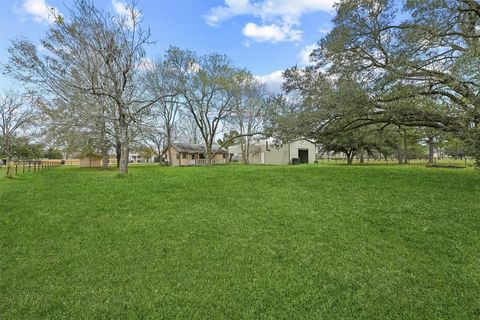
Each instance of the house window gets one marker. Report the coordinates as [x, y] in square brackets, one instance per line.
[224, 156]
[193, 157]
[202, 156]
[184, 155]
[178, 156]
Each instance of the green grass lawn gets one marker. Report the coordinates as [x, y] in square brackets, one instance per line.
[241, 242]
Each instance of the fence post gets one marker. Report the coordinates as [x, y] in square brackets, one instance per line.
[23, 168]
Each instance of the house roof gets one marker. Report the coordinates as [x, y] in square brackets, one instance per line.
[197, 148]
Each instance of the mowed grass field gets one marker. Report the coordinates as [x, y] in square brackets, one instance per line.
[241, 242]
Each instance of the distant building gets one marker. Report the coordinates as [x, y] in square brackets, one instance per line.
[189, 154]
[137, 158]
[266, 152]
[90, 161]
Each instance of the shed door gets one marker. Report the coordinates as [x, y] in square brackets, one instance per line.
[303, 155]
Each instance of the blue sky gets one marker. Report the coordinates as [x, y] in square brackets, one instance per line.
[265, 36]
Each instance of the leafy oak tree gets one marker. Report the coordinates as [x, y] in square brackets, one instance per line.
[414, 63]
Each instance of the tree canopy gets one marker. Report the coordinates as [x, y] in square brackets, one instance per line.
[410, 64]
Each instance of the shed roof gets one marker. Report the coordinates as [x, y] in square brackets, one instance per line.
[196, 148]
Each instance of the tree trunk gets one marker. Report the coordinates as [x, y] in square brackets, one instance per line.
[169, 144]
[9, 163]
[208, 154]
[103, 139]
[124, 149]
[208, 157]
[104, 152]
[247, 151]
[208, 150]
[243, 149]
[118, 153]
[8, 151]
[118, 144]
[123, 168]
[405, 147]
[430, 149]
[104, 160]
[350, 156]
[362, 156]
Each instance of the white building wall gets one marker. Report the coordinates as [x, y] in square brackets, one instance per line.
[277, 155]
[303, 144]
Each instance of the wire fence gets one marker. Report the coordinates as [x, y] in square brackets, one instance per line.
[29, 166]
[465, 162]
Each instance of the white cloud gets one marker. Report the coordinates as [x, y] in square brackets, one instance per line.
[279, 17]
[231, 9]
[273, 81]
[287, 10]
[304, 55]
[39, 10]
[271, 33]
[122, 10]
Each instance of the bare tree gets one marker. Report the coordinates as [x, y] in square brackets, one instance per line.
[207, 88]
[160, 80]
[155, 138]
[95, 53]
[80, 116]
[249, 103]
[188, 129]
[16, 113]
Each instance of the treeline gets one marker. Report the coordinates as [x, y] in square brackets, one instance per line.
[95, 90]
[386, 81]
[22, 149]
[400, 143]
[384, 69]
